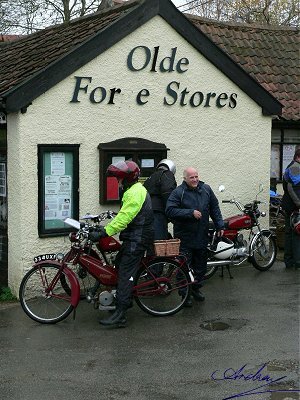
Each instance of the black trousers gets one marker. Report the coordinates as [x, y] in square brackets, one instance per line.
[197, 260]
[128, 261]
[160, 226]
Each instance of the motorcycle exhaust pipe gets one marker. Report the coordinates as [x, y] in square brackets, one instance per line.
[222, 263]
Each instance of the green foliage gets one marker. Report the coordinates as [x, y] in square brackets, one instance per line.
[6, 294]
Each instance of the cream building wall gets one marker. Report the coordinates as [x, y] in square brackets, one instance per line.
[228, 145]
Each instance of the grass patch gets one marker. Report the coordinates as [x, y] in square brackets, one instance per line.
[6, 294]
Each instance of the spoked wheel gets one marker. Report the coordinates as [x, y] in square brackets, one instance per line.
[42, 295]
[162, 288]
[264, 251]
[88, 284]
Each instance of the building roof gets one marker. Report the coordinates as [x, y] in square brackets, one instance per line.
[33, 64]
[269, 54]
[9, 38]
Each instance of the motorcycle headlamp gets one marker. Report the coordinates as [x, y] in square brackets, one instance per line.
[73, 237]
[59, 256]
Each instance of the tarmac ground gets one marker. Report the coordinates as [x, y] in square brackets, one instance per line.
[242, 342]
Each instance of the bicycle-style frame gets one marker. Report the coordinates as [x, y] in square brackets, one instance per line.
[158, 278]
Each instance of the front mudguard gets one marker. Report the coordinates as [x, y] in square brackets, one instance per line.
[264, 232]
[75, 287]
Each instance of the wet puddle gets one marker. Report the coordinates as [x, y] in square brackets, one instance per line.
[289, 368]
[215, 325]
[223, 324]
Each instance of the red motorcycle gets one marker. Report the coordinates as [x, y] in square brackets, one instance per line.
[52, 288]
[258, 246]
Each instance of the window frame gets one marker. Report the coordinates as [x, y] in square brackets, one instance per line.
[283, 142]
[133, 148]
[57, 148]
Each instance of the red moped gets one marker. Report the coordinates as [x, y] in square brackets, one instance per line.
[52, 288]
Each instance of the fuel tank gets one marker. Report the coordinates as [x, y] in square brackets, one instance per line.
[238, 222]
[109, 243]
[106, 274]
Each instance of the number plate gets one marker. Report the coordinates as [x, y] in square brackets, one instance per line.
[44, 257]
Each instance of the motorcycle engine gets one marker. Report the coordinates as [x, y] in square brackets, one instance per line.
[107, 300]
[241, 247]
[111, 257]
[81, 273]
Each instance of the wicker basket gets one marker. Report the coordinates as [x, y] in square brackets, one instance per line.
[172, 247]
[160, 247]
[167, 247]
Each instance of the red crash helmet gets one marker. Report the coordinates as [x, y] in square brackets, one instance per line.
[295, 222]
[126, 170]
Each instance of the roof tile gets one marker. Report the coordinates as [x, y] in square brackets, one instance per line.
[267, 54]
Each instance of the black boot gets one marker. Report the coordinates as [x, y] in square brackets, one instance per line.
[117, 319]
[197, 294]
[188, 302]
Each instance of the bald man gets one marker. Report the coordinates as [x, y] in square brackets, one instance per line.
[189, 207]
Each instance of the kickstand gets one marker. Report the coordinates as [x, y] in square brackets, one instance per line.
[228, 269]
[222, 273]
[74, 314]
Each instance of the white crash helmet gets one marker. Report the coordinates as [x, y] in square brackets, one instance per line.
[223, 249]
[169, 164]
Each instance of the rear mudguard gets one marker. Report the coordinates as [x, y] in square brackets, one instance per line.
[75, 287]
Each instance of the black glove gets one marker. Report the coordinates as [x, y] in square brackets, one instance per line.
[97, 233]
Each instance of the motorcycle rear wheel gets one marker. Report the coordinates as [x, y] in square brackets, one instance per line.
[166, 295]
[264, 251]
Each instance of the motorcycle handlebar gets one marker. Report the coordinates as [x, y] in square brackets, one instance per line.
[100, 217]
[237, 203]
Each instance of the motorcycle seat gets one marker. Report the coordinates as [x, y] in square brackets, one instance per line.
[211, 225]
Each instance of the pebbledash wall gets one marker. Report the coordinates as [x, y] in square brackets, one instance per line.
[222, 142]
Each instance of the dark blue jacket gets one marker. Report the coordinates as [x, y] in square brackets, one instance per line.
[291, 187]
[181, 204]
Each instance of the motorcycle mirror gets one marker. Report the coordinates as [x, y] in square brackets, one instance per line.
[221, 188]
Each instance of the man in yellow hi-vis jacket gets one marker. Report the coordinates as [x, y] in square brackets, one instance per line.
[134, 221]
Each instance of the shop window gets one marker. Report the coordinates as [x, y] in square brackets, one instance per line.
[284, 144]
[58, 180]
[145, 153]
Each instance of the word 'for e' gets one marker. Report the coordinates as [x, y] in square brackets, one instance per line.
[142, 58]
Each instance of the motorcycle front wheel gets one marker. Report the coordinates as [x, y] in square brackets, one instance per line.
[88, 284]
[162, 288]
[42, 296]
[264, 251]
